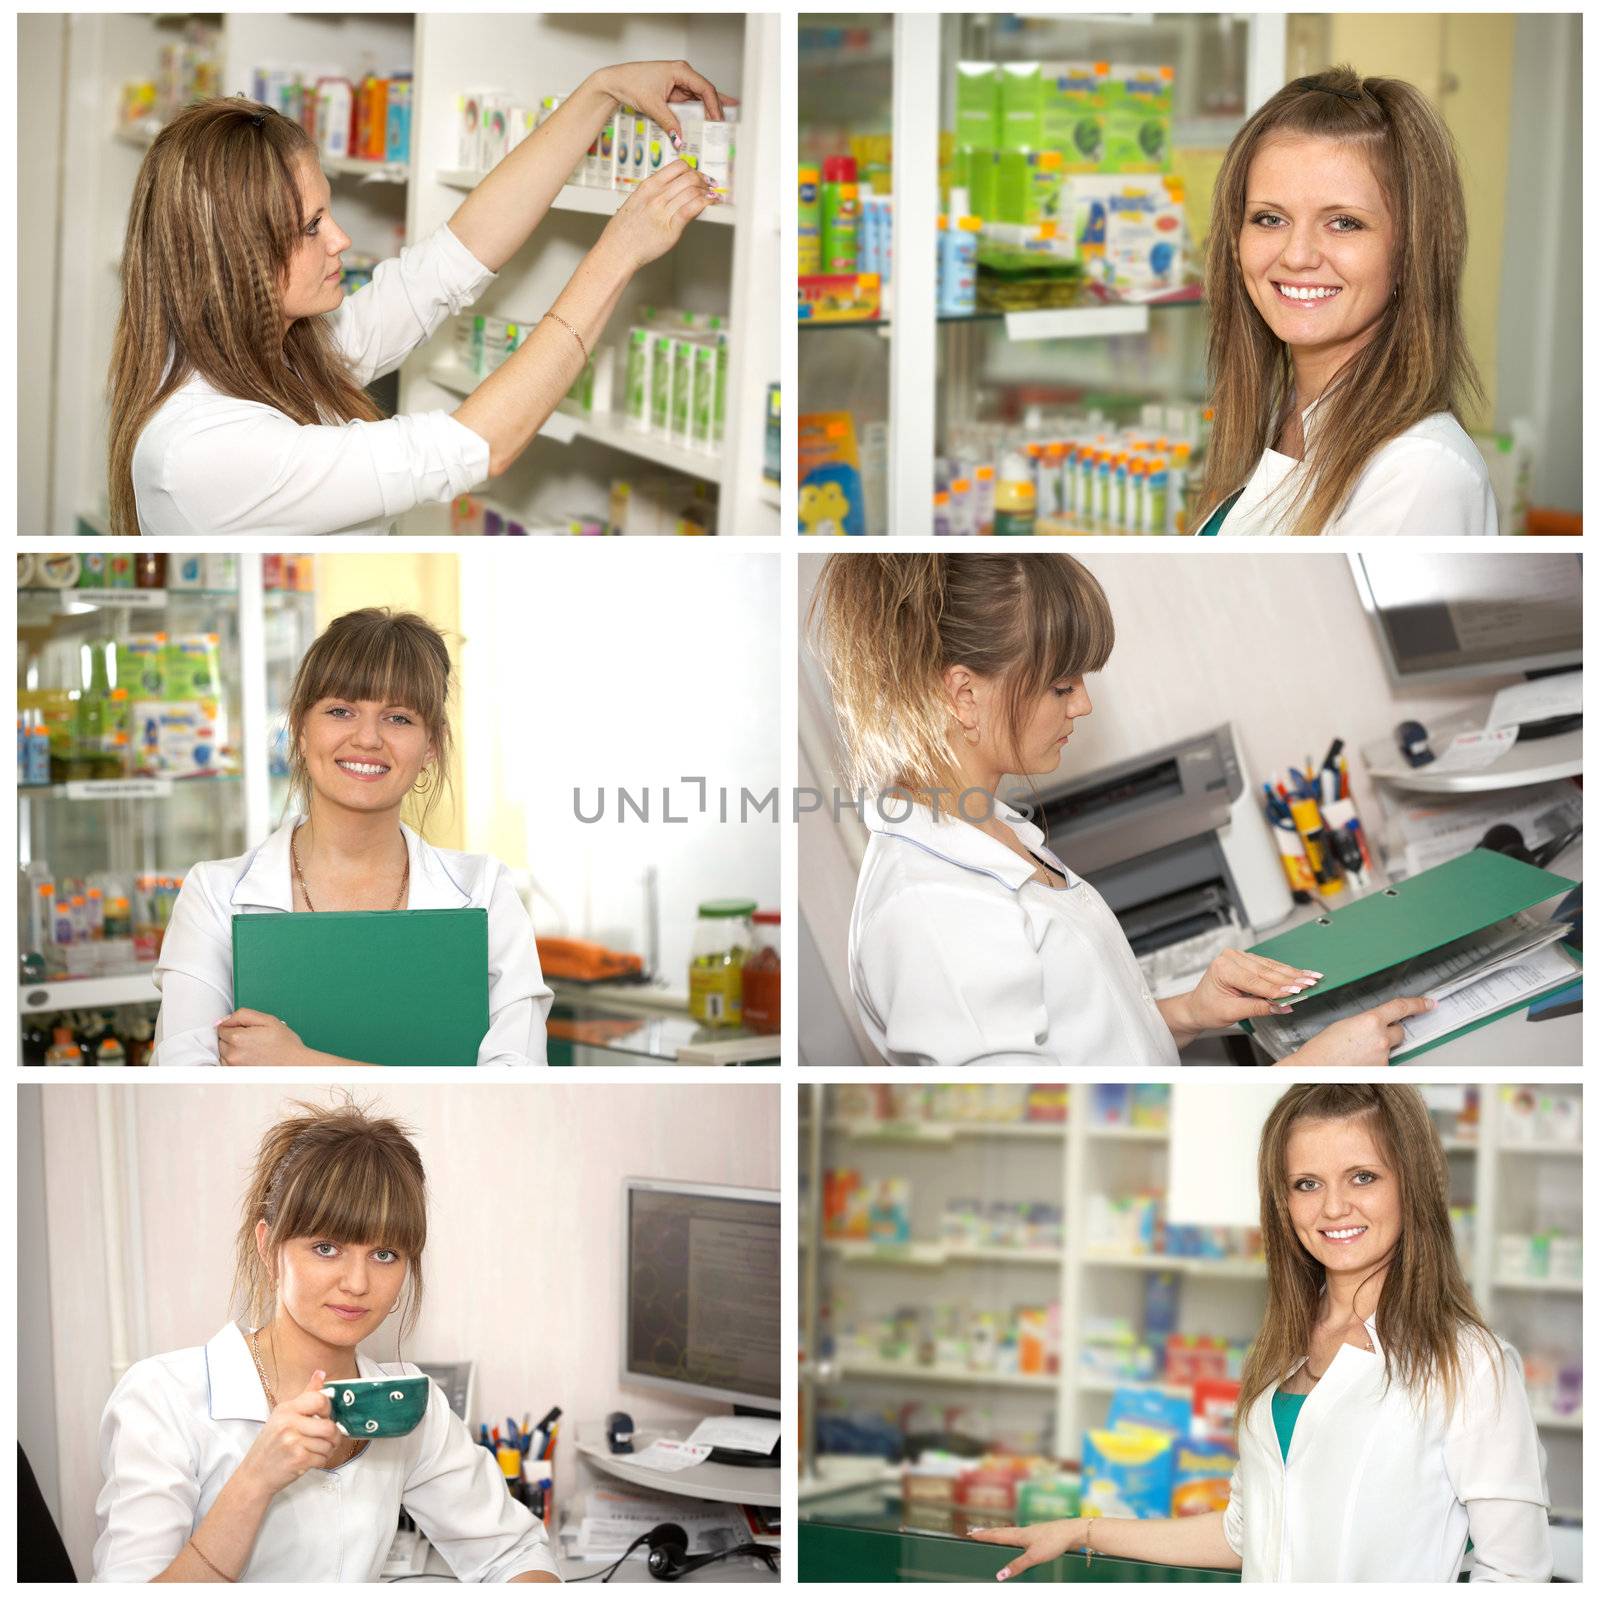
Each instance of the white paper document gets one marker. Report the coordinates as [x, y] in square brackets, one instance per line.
[754, 1434]
[670, 1455]
[612, 1519]
[1471, 977]
[1468, 752]
[1558, 696]
[1436, 830]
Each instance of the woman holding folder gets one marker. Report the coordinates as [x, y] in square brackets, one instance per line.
[222, 1462]
[1381, 1422]
[971, 943]
[368, 730]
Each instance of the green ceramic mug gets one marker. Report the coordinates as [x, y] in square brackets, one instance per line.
[377, 1408]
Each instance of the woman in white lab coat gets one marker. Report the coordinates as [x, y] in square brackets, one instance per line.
[368, 730]
[221, 1463]
[237, 376]
[971, 942]
[1381, 1423]
[1339, 360]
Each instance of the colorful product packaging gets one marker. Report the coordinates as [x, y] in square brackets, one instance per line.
[1072, 113]
[1127, 1472]
[830, 474]
[1138, 112]
[1201, 1478]
[978, 104]
[396, 113]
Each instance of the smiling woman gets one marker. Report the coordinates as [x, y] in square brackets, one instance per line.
[1339, 365]
[218, 1460]
[1381, 1423]
[369, 731]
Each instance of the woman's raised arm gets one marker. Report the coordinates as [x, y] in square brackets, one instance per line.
[495, 220]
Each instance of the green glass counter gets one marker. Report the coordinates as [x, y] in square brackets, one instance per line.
[856, 1537]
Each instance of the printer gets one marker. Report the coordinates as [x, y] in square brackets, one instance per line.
[1179, 847]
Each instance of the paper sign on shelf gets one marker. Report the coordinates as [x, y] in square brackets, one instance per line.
[757, 1435]
[670, 1455]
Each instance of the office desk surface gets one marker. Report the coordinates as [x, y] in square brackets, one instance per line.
[855, 1537]
[736, 1569]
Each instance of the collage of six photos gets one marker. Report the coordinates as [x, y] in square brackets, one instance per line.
[601, 893]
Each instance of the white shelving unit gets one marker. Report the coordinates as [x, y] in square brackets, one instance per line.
[1515, 1186]
[726, 263]
[920, 55]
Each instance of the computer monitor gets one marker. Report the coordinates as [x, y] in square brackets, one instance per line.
[1439, 618]
[701, 1299]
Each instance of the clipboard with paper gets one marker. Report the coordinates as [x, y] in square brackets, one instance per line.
[392, 988]
[1464, 933]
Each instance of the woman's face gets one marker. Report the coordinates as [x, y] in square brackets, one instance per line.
[362, 754]
[1042, 735]
[313, 285]
[1317, 244]
[1344, 1198]
[337, 1293]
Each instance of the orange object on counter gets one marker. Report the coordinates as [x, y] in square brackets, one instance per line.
[584, 961]
[762, 1007]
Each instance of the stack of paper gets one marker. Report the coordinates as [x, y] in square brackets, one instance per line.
[613, 1517]
[1471, 979]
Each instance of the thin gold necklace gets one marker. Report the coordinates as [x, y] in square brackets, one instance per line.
[300, 877]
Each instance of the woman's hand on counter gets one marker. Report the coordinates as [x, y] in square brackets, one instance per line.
[653, 86]
[1236, 985]
[1360, 1041]
[1042, 1541]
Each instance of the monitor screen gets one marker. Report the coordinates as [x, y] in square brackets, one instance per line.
[1460, 616]
[701, 1291]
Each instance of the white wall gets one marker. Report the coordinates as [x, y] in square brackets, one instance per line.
[525, 1223]
[626, 664]
[1277, 643]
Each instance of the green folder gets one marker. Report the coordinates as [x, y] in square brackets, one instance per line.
[1392, 926]
[389, 988]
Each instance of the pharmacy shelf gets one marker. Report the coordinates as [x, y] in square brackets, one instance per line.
[563, 428]
[1130, 1135]
[1528, 761]
[142, 135]
[579, 197]
[1541, 1285]
[88, 994]
[1088, 1384]
[962, 1376]
[931, 1253]
[1542, 1147]
[1192, 1266]
[944, 1132]
[770, 494]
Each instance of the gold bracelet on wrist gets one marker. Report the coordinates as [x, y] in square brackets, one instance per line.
[574, 332]
[213, 1566]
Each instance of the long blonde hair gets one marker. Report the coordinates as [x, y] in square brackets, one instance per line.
[885, 627]
[215, 219]
[1416, 363]
[1424, 1306]
[332, 1172]
[393, 657]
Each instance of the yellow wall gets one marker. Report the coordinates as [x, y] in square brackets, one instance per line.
[1462, 62]
[430, 586]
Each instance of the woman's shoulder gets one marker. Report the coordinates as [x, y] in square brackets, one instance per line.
[1440, 434]
[176, 1379]
[473, 876]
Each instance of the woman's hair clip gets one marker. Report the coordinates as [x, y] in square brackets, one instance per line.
[259, 119]
[1354, 96]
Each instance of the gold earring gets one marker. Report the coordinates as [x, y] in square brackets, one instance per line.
[972, 735]
[423, 783]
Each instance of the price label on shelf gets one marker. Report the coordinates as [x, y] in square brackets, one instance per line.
[130, 599]
[119, 789]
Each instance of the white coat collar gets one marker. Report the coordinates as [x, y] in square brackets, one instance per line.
[1348, 1367]
[233, 1386]
[961, 843]
[267, 884]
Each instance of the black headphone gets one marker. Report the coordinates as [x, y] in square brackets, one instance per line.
[669, 1557]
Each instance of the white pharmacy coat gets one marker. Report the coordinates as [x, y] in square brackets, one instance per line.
[1429, 479]
[177, 1426]
[195, 969]
[1377, 1489]
[957, 959]
[211, 463]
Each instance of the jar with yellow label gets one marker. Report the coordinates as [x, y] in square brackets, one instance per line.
[723, 937]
